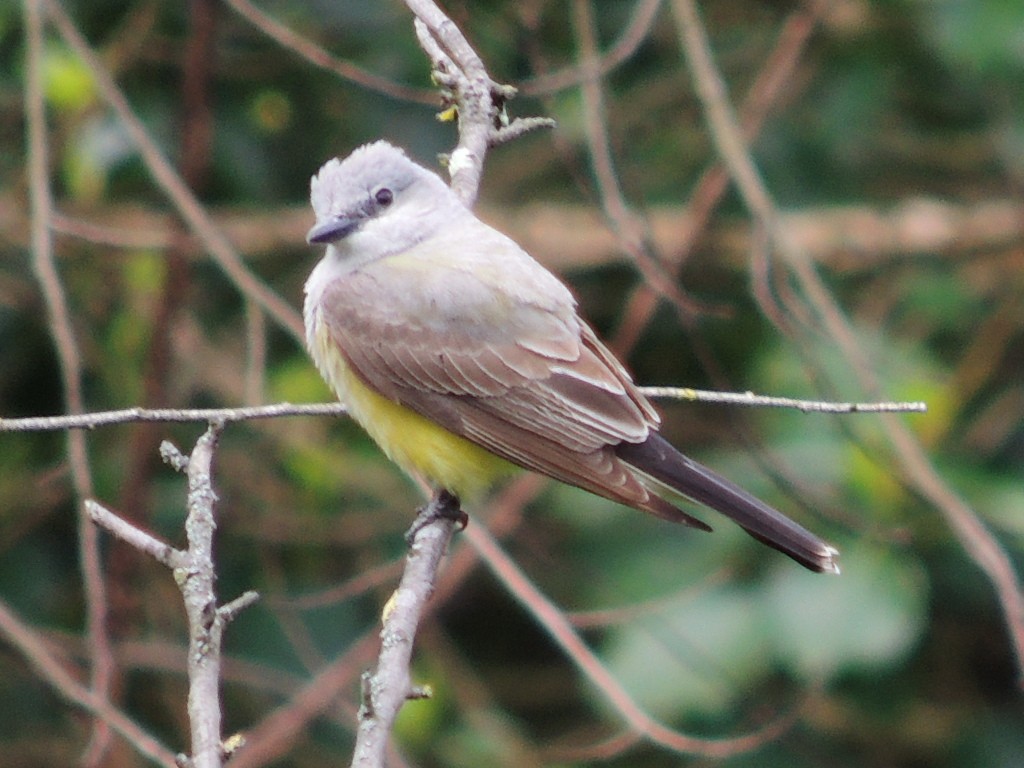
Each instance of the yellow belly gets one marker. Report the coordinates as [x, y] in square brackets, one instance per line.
[420, 447]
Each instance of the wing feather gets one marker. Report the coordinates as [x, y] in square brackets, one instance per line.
[513, 371]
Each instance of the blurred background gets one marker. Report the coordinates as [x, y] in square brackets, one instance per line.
[890, 135]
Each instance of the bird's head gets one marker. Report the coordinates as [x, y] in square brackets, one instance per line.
[376, 183]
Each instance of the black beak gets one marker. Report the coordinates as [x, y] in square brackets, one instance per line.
[332, 230]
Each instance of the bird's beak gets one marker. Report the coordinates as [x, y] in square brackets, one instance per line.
[331, 230]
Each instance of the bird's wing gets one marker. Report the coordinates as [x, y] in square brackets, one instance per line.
[494, 352]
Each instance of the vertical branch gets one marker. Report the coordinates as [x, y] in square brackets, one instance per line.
[196, 130]
[461, 70]
[71, 371]
[196, 581]
[478, 100]
[482, 123]
[389, 686]
[195, 574]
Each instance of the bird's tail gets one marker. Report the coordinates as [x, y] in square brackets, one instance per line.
[657, 459]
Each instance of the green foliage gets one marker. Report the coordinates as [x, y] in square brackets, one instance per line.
[706, 653]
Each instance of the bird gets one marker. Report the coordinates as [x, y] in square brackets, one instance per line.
[467, 360]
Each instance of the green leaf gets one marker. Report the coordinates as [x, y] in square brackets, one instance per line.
[698, 655]
[67, 83]
[869, 616]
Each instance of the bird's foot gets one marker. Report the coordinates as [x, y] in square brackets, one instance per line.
[443, 506]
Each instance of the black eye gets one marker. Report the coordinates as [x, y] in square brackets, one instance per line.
[384, 196]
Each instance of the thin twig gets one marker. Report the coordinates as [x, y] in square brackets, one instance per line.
[181, 415]
[765, 401]
[135, 537]
[772, 81]
[633, 35]
[318, 57]
[976, 539]
[631, 229]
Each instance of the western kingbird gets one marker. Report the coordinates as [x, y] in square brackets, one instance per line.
[464, 358]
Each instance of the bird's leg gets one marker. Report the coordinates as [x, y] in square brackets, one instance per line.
[443, 506]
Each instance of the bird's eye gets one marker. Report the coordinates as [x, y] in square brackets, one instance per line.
[384, 196]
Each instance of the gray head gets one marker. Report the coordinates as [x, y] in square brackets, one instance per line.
[376, 186]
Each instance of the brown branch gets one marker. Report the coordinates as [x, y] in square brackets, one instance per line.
[631, 230]
[61, 326]
[855, 239]
[272, 737]
[557, 625]
[632, 37]
[976, 539]
[30, 645]
[318, 57]
[772, 81]
[256, 354]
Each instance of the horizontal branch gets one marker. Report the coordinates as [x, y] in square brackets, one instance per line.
[187, 415]
[848, 238]
[199, 415]
[749, 399]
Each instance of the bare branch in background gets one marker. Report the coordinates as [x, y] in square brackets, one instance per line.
[317, 56]
[641, 725]
[631, 229]
[853, 238]
[633, 36]
[53, 671]
[171, 184]
[724, 128]
[62, 329]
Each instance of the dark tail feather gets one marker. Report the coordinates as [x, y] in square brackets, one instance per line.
[657, 459]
